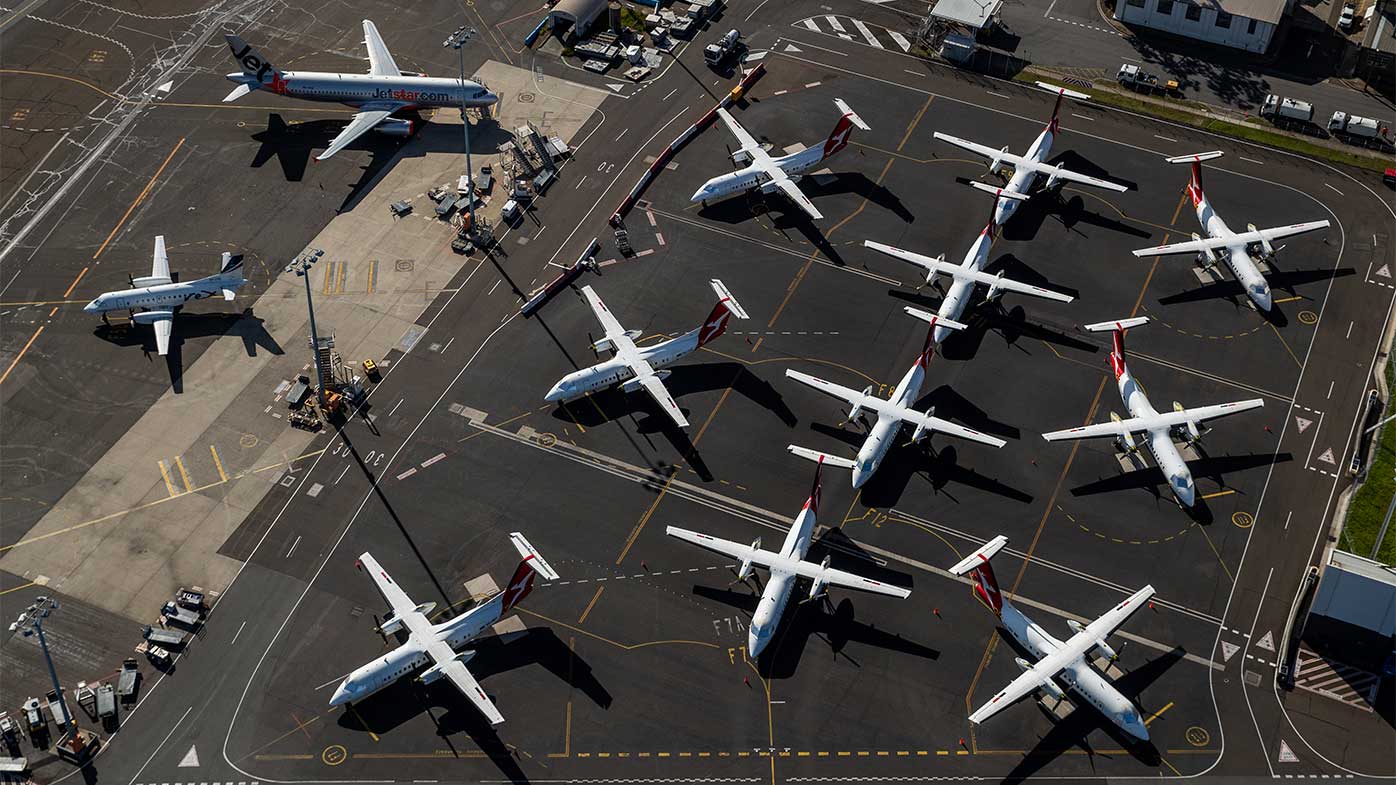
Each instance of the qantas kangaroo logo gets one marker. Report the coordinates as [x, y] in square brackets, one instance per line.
[987, 588]
[715, 325]
[839, 138]
[520, 585]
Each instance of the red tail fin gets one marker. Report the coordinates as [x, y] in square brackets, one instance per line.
[519, 586]
[1053, 124]
[838, 138]
[1117, 357]
[986, 587]
[812, 504]
[929, 348]
[715, 324]
[1195, 185]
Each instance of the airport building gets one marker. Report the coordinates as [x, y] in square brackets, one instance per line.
[1243, 24]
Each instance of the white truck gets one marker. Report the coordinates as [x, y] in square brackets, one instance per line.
[1351, 128]
[1277, 109]
[714, 54]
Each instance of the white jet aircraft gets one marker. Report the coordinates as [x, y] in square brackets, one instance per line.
[1236, 249]
[777, 174]
[1027, 168]
[968, 273]
[787, 565]
[153, 300]
[893, 412]
[385, 89]
[633, 367]
[1065, 660]
[1158, 429]
[435, 645]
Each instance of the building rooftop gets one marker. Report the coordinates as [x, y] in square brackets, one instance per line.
[1381, 29]
[971, 13]
[1263, 10]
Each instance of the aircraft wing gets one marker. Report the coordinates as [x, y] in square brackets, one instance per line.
[964, 273]
[660, 394]
[1163, 420]
[608, 321]
[397, 599]
[846, 580]
[732, 550]
[362, 122]
[164, 325]
[879, 405]
[1027, 682]
[1111, 620]
[1075, 177]
[1232, 241]
[449, 665]
[747, 141]
[845, 394]
[160, 264]
[984, 150]
[788, 187]
[380, 60]
[1099, 429]
[1190, 246]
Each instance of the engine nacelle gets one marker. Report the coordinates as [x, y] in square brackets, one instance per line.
[820, 585]
[1189, 430]
[1053, 180]
[150, 317]
[1126, 439]
[1207, 257]
[995, 289]
[744, 571]
[741, 158]
[858, 407]
[393, 126]
[634, 385]
[1265, 244]
[435, 672]
[391, 624]
[141, 283]
[996, 162]
[922, 431]
[1101, 648]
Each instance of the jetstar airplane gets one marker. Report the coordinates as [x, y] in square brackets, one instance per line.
[385, 89]
[1065, 660]
[787, 565]
[970, 272]
[893, 412]
[1027, 168]
[1236, 249]
[777, 174]
[1158, 429]
[634, 368]
[435, 645]
[154, 300]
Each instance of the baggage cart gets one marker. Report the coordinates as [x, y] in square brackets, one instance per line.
[128, 680]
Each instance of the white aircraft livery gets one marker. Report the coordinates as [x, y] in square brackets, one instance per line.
[893, 412]
[1027, 168]
[385, 89]
[635, 368]
[434, 645]
[1158, 429]
[154, 299]
[777, 174]
[1236, 249]
[1065, 660]
[785, 566]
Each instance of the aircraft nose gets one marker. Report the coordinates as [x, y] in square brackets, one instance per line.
[90, 307]
[860, 476]
[755, 641]
[1136, 728]
[341, 695]
[699, 195]
[1263, 299]
[1186, 493]
[554, 395]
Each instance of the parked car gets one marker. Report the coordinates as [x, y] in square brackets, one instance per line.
[1348, 19]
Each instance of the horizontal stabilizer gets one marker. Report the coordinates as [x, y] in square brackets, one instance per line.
[1187, 159]
[816, 456]
[851, 115]
[238, 92]
[1058, 90]
[940, 321]
[983, 554]
[539, 564]
[726, 296]
[1004, 192]
[229, 294]
[1119, 324]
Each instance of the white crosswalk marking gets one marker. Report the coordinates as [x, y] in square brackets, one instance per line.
[811, 24]
[872, 40]
[834, 23]
[900, 39]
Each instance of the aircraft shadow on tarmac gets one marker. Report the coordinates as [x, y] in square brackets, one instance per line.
[1214, 468]
[783, 214]
[293, 146]
[190, 326]
[905, 461]
[833, 623]
[1075, 730]
[452, 714]
[1230, 289]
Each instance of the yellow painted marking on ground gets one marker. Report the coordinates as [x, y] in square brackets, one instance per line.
[635, 533]
[1226, 492]
[16, 360]
[1286, 300]
[86, 84]
[188, 486]
[52, 312]
[139, 198]
[372, 274]
[1215, 552]
[339, 281]
[329, 277]
[165, 472]
[218, 463]
[1158, 713]
[283, 757]
[1285, 344]
[915, 121]
[590, 605]
[1182, 199]
[1169, 765]
[361, 722]
[17, 588]
[74, 284]
[16, 303]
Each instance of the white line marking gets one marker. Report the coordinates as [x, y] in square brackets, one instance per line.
[1349, 335]
[293, 546]
[1331, 188]
[236, 634]
[1048, 12]
[670, 95]
[1330, 390]
[900, 39]
[394, 409]
[810, 25]
[441, 456]
[834, 23]
[1287, 517]
[622, 133]
[173, 728]
[492, 288]
[1251, 160]
[341, 475]
[996, 95]
[1083, 117]
[584, 179]
[1164, 138]
[407, 473]
[872, 39]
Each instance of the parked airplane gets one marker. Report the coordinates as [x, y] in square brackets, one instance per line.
[787, 565]
[1027, 168]
[153, 300]
[1065, 660]
[893, 412]
[970, 272]
[385, 89]
[1158, 429]
[1236, 249]
[777, 174]
[635, 368]
[435, 645]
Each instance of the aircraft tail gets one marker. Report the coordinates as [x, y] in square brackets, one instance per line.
[812, 503]
[256, 69]
[716, 323]
[1060, 92]
[1118, 328]
[999, 193]
[838, 138]
[1195, 182]
[986, 586]
[531, 566]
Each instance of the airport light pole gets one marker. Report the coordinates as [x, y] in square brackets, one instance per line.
[301, 267]
[31, 621]
[457, 42]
